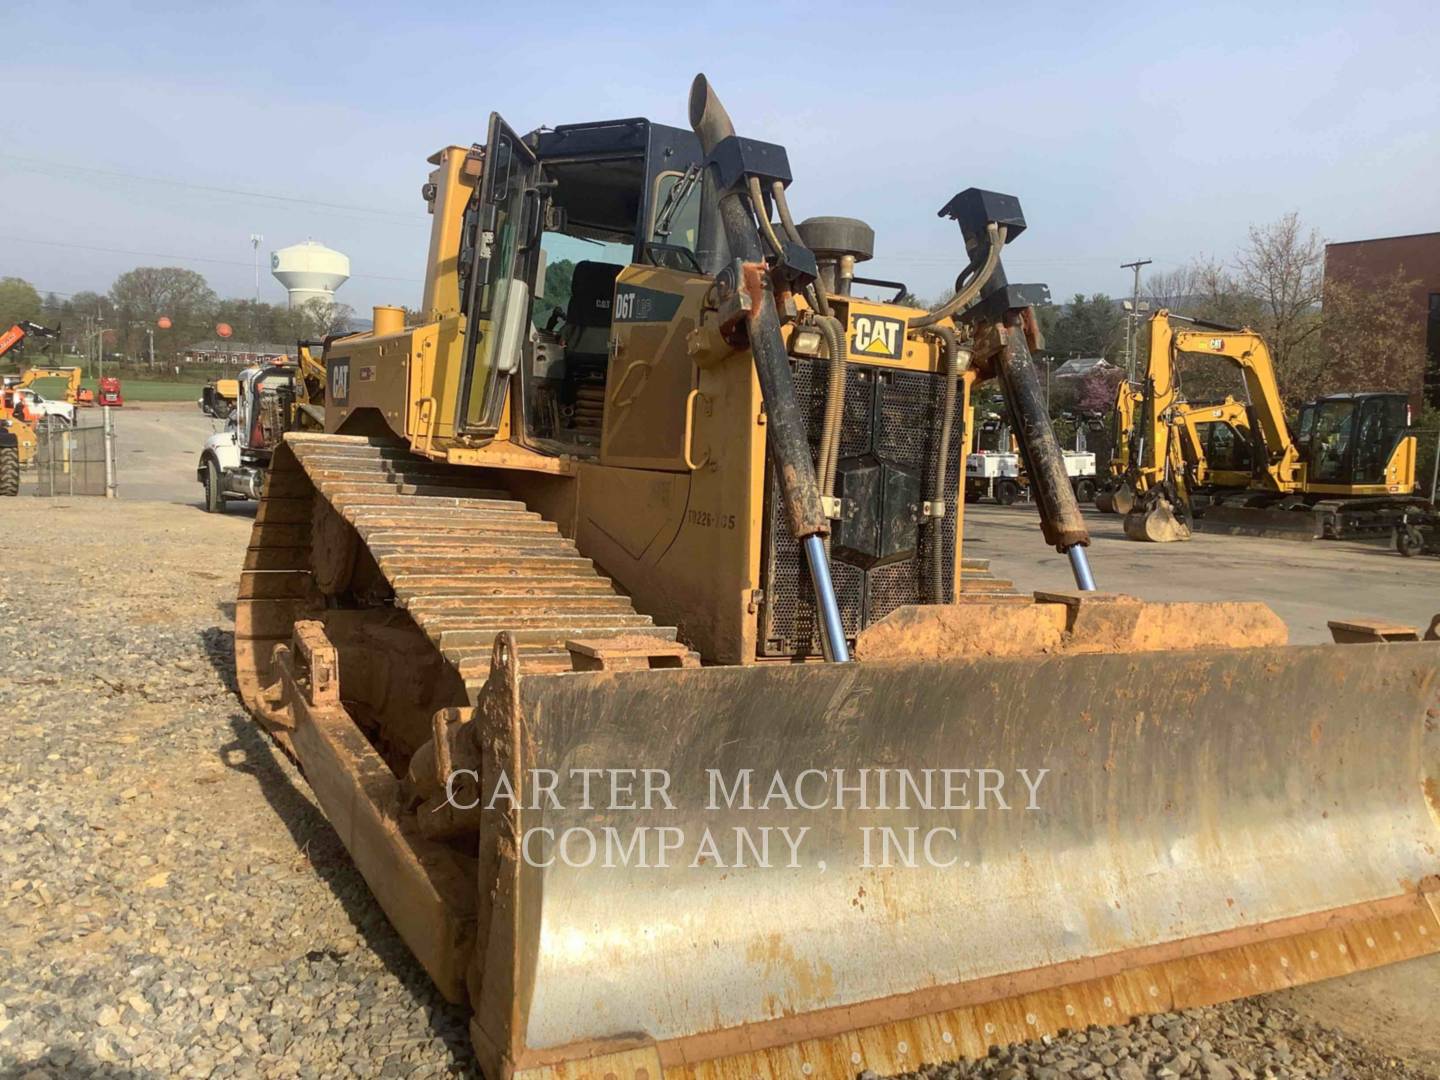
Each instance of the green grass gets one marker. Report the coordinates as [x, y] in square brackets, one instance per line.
[130, 389]
[148, 390]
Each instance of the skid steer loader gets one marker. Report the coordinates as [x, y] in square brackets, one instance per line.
[624, 631]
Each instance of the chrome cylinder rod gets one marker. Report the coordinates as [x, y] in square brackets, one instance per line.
[1080, 565]
[832, 631]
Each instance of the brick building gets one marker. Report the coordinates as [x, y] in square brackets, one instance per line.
[1357, 262]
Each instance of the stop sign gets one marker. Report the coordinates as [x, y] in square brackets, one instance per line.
[163, 322]
[223, 329]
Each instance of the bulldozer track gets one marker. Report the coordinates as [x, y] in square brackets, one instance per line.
[463, 558]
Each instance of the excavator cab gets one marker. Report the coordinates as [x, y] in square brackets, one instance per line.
[1350, 439]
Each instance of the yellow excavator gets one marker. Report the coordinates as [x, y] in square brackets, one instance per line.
[632, 650]
[1206, 449]
[1349, 471]
[75, 393]
[1216, 443]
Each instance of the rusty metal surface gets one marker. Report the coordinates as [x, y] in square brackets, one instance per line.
[1238, 789]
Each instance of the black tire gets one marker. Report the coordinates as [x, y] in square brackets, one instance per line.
[1006, 492]
[9, 470]
[214, 499]
[1409, 541]
[1084, 490]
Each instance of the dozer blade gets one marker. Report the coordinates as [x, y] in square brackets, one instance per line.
[1213, 823]
[1258, 521]
[1156, 524]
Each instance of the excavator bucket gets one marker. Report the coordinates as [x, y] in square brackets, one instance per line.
[1156, 522]
[1118, 500]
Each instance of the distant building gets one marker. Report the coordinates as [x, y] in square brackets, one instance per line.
[237, 354]
[1361, 262]
[1082, 367]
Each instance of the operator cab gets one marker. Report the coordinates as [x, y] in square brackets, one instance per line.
[557, 216]
[1350, 438]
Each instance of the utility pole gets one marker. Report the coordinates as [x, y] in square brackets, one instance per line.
[1132, 316]
[255, 239]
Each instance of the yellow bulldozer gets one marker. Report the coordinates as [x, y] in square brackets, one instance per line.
[626, 635]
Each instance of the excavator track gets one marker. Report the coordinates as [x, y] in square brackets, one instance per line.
[461, 557]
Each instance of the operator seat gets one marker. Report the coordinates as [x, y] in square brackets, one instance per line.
[587, 319]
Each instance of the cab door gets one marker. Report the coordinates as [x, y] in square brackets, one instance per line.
[501, 227]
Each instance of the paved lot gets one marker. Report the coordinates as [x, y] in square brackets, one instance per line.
[1307, 584]
[156, 447]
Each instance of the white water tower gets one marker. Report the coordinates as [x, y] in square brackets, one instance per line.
[309, 270]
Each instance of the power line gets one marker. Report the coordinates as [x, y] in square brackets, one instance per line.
[84, 171]
[177, 258]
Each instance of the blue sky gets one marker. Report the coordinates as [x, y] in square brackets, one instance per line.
[1127, 133]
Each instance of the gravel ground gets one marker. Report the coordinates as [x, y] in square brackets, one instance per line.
[173, 904]
[1243, 1040]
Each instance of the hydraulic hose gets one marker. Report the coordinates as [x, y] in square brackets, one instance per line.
[834, 335]
[762, 214]
[787, 439]
[956, 362]
[816, 292]
[966, 294]
[787, 222]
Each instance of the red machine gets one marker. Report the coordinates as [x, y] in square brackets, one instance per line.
[109, 392]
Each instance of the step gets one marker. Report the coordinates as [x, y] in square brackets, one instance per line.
[420, 586]
[520, 620]
[464, 645]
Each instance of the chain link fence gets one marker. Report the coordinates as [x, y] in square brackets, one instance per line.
[76, 460]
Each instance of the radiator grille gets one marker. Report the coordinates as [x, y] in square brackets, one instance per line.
[894, 415]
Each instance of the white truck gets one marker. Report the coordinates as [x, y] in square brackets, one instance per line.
[233, 461]
[999, 475]
[50, 413]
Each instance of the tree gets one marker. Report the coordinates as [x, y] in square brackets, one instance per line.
[1096, 396]
[322, 317]
[144, 294]
[556, 293]
[1370, 338]
[1202, 289]
[18, 300]
[1086, 326]
[1283, 269]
